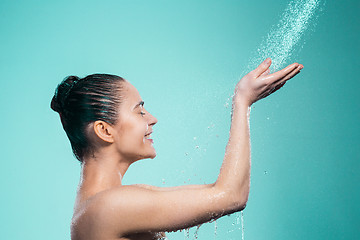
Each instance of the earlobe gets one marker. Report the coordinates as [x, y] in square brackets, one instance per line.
[104, 131]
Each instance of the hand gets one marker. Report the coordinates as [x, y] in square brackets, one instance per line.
[259, 83]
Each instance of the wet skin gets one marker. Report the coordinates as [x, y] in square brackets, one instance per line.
[106, 209]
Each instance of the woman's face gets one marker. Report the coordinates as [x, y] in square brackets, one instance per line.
[134, 126]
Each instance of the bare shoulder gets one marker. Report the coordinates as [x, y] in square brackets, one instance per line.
[94, 217]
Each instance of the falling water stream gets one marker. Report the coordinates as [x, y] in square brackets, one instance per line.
[286, 34]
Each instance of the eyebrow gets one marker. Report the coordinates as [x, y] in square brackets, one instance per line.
[141, 103]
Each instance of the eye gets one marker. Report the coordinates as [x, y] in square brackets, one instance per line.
[142, 113]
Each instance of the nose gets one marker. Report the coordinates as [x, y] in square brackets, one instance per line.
[152, 120]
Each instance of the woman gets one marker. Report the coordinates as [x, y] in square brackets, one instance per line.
[109, 129]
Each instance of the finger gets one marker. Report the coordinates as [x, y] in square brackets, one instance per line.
[263, 95]
[262, 67]
[292, 74]
[278, 87]
[281, 74]
[266, 72]
[280, 83]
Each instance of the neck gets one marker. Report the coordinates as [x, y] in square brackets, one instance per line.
[101, 172]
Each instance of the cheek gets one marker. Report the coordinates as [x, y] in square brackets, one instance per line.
[132, 134]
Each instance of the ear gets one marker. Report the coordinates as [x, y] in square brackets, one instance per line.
[104, 131]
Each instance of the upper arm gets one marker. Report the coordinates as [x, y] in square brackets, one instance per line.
[131, 209]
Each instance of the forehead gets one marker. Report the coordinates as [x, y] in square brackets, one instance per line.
[131, 95]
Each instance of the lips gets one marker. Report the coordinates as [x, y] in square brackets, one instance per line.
[148, 135]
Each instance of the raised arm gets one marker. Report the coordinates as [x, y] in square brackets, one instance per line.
[142, 208]
[235, 171]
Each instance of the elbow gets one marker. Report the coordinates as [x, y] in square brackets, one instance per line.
[239, 201]
[242, 204]
[239, 196]
[235, 200]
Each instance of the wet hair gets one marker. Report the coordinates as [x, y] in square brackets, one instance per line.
[81, 101]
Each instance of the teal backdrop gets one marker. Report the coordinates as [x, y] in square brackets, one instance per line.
[185, 58]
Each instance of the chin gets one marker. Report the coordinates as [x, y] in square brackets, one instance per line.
[146, 156]
[152, 155]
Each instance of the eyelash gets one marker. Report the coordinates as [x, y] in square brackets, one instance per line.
[142, 113]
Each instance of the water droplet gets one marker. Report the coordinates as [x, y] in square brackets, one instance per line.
[265, 172]
[267, 118]
[163, 181]
[215, 226]
[237, 218]
[212, 125]
[242, 225]
[196, 234]
[187, 233]
[197, 146]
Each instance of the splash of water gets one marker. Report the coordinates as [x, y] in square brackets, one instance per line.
[283, 37]
[280, 42]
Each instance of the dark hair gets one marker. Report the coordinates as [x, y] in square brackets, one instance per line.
[81, 101]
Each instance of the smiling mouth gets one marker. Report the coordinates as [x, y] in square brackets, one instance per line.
[147, 136]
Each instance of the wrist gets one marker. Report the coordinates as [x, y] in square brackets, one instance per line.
[241, 102]
[241, 107]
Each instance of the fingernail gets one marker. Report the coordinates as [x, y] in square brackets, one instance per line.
[301, 67]
[267, 61]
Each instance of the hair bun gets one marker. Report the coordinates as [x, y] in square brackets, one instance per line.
[62, 92]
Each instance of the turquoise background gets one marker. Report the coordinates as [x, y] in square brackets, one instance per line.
[185, 58]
